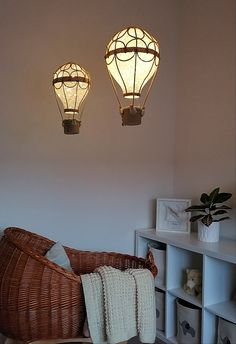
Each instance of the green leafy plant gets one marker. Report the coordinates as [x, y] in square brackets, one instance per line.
[211, 208]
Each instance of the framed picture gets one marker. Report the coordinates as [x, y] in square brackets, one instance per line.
[171, 215]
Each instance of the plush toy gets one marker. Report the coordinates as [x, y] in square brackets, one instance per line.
[193, 286]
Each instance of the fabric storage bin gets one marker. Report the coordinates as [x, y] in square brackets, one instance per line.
[188, 323]
[226, 332]
[159, 255]
[160, 309]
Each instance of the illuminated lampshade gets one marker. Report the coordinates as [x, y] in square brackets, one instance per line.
[132, 58]
[71, 85]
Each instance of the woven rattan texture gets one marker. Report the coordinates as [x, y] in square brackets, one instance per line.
[41, 300]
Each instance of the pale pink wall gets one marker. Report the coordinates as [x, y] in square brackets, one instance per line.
[91, 190]
[205, 120]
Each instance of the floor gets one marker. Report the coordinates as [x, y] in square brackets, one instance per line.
[131, 341]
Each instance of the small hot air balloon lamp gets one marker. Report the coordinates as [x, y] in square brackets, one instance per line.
[71, 85]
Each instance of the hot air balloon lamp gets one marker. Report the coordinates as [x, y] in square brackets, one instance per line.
[132, 58]
[71, 85]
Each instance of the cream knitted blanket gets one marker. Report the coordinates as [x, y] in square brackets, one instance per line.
[120, 305]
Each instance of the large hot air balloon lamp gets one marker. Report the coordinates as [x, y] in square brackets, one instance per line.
[132, 58]
[71, 85]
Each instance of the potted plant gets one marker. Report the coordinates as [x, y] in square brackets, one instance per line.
[211, 212]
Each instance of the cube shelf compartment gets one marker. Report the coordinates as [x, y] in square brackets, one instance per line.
[217, 263]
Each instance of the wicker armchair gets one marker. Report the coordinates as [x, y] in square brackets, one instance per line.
[41, 300]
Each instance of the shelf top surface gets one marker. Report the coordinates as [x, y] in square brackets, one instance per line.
[223, 249]
[226, 310]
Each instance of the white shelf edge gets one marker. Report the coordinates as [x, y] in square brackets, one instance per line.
[160, 286]
[226, 310]
[180, 293]
[224, 249]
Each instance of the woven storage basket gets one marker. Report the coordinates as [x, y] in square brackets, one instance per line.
[41, 300]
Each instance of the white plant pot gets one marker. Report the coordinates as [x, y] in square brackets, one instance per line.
[209, 234]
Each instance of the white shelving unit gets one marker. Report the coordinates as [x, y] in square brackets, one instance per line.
[216, 261]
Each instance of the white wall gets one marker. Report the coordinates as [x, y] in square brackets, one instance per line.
[93, 189]
[205, 154]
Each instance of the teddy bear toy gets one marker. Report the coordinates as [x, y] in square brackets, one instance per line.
[193, 286]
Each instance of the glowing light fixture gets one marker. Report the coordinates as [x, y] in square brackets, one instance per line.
[132, 58]
[71, 85]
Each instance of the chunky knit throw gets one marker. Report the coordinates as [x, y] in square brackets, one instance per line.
[120, 305]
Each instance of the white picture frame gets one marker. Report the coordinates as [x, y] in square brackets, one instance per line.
[171, 215]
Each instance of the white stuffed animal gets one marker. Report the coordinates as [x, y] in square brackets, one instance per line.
[193, 286]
